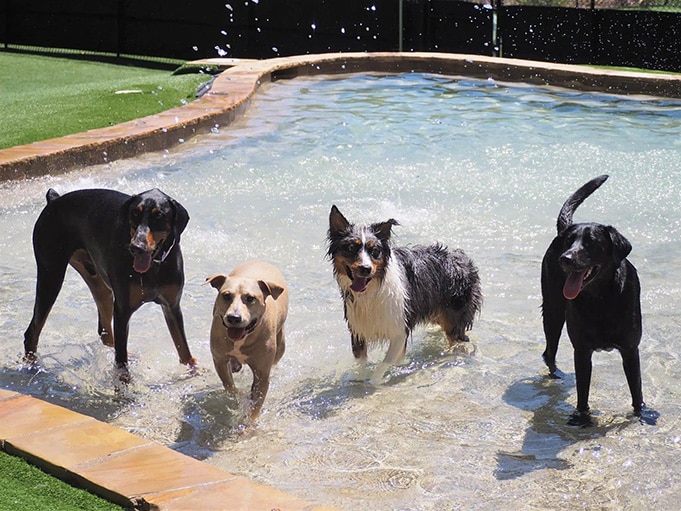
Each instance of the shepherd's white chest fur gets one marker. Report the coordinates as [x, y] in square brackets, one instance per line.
[378, 313]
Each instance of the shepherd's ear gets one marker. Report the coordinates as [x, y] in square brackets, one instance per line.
[620, 245]
[337, 222]
[384, 229]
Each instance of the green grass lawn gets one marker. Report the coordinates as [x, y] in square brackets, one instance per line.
[27, 488]
[44, 97]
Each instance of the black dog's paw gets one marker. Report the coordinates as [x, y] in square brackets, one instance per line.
[581, 419]
[647, 416]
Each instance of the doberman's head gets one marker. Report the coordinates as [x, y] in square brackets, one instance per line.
[156, 222]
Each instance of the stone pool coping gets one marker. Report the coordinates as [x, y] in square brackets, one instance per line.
[123, 468]
[232, 90]
[129, 470]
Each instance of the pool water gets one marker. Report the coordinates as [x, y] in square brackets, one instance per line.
[474, 164]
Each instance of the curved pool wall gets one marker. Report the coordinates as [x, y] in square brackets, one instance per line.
[232, 90]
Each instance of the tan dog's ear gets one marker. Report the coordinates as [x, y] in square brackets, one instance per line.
[270, 288]
[217, 281]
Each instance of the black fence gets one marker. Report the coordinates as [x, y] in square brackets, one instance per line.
[635, 33]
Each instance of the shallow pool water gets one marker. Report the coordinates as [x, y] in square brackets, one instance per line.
[474, 164]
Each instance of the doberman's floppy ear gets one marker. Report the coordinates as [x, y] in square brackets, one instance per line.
[181, 216]
[270, 289]
[620, 245]
[338, 224]
[217, 281]
[383, 230]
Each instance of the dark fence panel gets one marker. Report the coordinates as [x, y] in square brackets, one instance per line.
[570, 31]
[551, 34]
[459, 27]
[76, 24]
[639, 39]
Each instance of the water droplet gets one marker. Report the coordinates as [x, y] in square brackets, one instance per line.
[229, 7]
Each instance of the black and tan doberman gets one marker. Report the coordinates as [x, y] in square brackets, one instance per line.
[126, 248]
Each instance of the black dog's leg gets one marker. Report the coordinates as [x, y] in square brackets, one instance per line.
[582, 416]
[632, 369]
[175, 322]
[553, 317]
[49, 283]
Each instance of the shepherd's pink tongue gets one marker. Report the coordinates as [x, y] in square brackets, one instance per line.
[359, 284]
[236, 333]
[142, 263]
[573, 284]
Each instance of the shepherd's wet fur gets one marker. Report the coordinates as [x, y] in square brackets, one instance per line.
[387, 291]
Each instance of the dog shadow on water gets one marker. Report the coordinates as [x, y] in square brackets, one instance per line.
[548, 433]
[209, 418]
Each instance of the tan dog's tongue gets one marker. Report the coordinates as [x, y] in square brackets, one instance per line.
[573, 284]
[142, 263]
[236, 334]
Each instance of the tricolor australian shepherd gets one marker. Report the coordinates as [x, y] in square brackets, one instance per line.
[387, 290]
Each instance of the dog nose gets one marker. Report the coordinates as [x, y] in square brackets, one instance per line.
[567, 259]
[233, 319]
[364, 270]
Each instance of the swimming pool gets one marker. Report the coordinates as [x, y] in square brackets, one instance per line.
[475, 164]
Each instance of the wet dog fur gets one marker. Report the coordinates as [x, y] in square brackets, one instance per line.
[387, 291]
[126, 249]
[588, 283]
[248, 325]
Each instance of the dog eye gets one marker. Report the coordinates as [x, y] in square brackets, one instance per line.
[351, 248]
[376, 252]
[227, 297]
[248, 299]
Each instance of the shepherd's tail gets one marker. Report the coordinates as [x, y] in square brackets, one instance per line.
[568, 209]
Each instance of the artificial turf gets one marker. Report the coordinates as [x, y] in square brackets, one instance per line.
[27, 488]
[45, 97]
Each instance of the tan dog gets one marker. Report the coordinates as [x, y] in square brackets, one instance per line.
[248, 325]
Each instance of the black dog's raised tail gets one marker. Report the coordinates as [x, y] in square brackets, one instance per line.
[568, 209]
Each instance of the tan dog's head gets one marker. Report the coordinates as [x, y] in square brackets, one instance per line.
[241, 302]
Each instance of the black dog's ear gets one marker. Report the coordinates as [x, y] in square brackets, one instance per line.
[383, 230]
[620, 245]
[181, 216]
[338, 224]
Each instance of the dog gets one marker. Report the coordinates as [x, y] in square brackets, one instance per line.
[588, 283]
[388, 291]
[126, 249]
[248, 325]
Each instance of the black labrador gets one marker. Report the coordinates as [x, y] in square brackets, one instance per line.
[126, 248]
[588, 283]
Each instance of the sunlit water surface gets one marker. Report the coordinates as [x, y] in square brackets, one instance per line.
[473, 164]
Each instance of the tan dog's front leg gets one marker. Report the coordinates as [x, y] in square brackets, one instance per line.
[224, 370]
[261, 384]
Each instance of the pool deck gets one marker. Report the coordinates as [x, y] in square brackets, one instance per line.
[139, 473]
[123, 468]
[233, 89]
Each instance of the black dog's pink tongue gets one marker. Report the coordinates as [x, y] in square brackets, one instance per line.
[142, 262]
[573, 284]
[359, 284]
